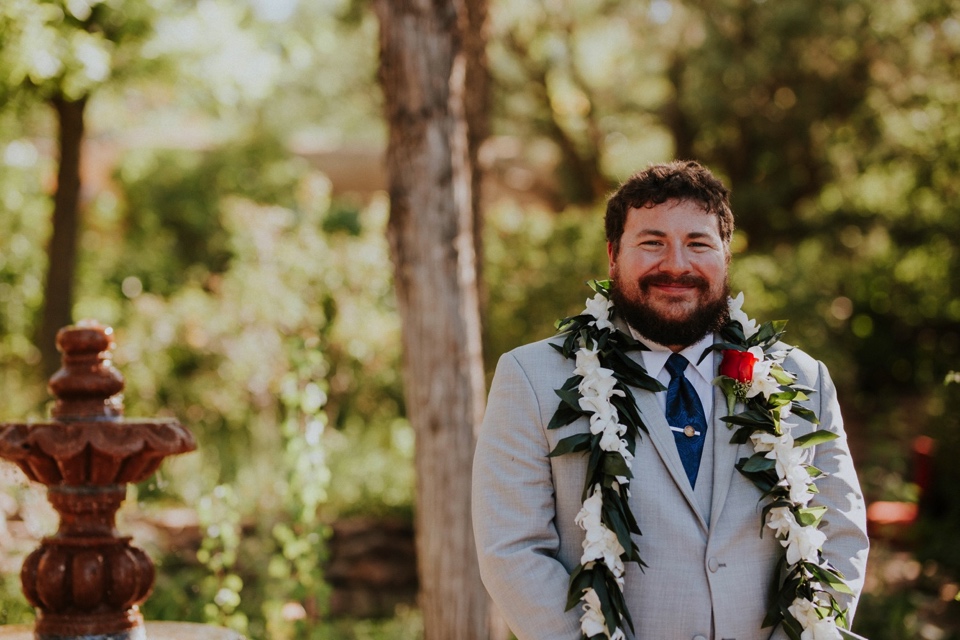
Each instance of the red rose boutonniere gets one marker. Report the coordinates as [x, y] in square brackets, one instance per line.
[738, 365]
[736, 375]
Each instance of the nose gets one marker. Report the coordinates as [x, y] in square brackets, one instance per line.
[675, 260]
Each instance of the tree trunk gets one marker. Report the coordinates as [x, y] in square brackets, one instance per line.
[477, 112]
[62, 249]
[423, 72]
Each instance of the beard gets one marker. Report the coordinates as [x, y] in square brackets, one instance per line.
[710, 315]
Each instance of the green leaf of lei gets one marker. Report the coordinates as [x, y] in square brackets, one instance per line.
[761, 416]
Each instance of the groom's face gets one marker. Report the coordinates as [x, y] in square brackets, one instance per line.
[670, 272]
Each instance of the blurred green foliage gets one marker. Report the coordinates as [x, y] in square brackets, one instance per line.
[256, 305]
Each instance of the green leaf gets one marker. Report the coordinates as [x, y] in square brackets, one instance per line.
[615, 465]
[766, 481]
[765, 334]
[829, 576]
[810, 516]
[792, 629]
[580, 579]
[613, 519]
[563, 416]
[751, 418]
[600, 586]
[571, 444]
[758, 462]
[600, 286]
[720, 346]
[632, 373]
[732, 332]
[814, 438]
[802, 412]
[781, 376]
[630, 416]
[619, 603]
[592, 465]
[783, 397]
[813, 471]
[741, 435]
[571, 398]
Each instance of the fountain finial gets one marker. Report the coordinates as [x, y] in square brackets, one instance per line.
[87, 581]
[87, 386]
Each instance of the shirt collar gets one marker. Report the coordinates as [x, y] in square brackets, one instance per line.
[656, 359]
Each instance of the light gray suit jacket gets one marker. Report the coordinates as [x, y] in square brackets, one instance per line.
[704, 579]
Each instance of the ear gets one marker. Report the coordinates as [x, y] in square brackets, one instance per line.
[611, 258]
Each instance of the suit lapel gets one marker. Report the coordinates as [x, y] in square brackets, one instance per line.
[725, 456]
[663, 442]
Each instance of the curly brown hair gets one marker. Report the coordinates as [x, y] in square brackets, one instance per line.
[658, 183]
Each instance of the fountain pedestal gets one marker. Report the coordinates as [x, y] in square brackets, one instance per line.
[87, 581]
[154, 631]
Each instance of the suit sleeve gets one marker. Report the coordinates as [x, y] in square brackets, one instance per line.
[514, 514]
[845, 522]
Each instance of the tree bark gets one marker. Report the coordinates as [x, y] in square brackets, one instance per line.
[423, 72]
[477, 112]
[62, 248]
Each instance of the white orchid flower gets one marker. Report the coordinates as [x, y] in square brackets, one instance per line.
[799, 485]
[782, 520]
[588, 361]
[592, 622]
[825, 629]
[805, 612]
[762, 381]
[803, 543]
[764, 441]
[599, 542]
[589, 514]
[737, 314]
[606, 424]
[600, 383]
[610, 441]
[788, 458]
[599, 307]
[601, 408]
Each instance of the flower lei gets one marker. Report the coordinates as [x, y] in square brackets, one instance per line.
[751, 374]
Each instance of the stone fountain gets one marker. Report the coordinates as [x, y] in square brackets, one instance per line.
[87, 581]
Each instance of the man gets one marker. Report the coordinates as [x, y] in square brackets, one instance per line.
[709, 573]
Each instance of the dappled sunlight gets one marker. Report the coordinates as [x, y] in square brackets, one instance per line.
[233, 215]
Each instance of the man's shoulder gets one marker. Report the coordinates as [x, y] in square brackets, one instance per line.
[540, 362]
[799, 362]
[537, 352]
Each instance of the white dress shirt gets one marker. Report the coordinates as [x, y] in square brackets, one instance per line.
[700, 375]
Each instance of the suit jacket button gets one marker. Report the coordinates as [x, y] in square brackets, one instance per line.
[699, 637]
[713, 564]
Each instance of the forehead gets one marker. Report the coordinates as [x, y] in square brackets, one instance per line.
[674, 217]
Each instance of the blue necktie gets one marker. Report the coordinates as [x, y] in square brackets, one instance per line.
[685, 416]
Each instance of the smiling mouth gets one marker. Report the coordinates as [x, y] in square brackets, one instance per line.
[679, 285]
[674, 287]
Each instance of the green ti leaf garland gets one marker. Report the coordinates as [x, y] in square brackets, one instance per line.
[599, 391]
